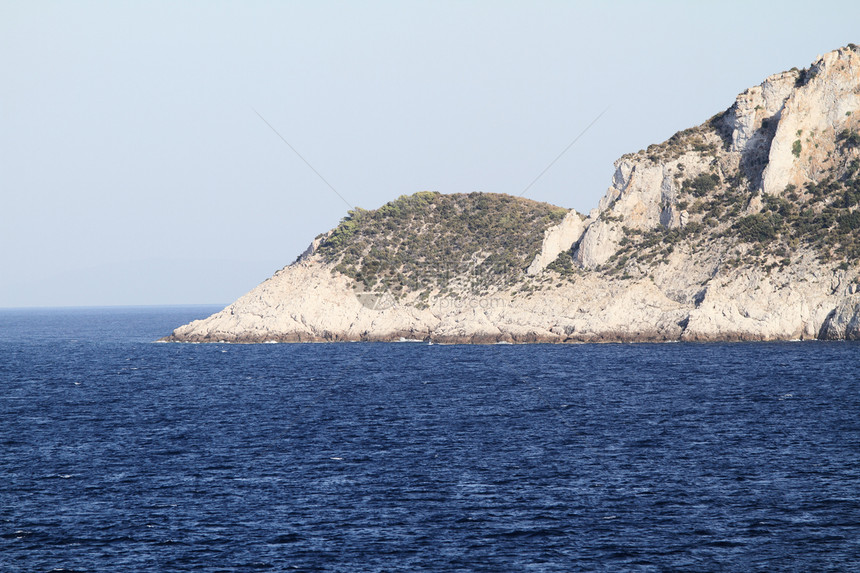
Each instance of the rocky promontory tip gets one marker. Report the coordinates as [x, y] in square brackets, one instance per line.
[746, 227]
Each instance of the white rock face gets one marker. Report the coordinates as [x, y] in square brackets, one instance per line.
[598, 244]
[643, 196]
[813, 114]
[556, 240]
[844, 321]
[759, 103]
[306, 302]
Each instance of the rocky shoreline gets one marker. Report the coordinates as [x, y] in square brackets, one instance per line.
[746, 228]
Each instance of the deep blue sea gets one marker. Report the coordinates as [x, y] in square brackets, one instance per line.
[117, 454]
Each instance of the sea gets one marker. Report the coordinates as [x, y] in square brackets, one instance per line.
[121, 454]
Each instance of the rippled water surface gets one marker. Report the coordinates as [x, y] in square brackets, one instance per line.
[117, 454]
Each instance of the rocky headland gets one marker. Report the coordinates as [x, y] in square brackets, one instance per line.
[746, 227]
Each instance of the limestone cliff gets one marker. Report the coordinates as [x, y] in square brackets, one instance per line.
[743, 228]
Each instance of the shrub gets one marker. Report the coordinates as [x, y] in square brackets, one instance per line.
[563, 264]
[849, 138]
[796, 148]
[758, 228]
[702, 184]
[805, 76]
[849, 222]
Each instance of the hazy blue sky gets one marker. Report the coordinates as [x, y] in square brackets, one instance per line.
[134, 169]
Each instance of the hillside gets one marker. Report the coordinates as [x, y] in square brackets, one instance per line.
[743, 228]
[429, 243]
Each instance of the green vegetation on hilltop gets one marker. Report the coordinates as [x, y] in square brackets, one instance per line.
[429, 241]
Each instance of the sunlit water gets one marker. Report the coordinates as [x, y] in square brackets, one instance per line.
[117, 454]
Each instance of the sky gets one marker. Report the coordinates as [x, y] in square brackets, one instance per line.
[138, 165]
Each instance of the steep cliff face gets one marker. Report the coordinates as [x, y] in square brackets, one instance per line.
[821, 107]
[744, 228]
[557, 240]
[790, 130]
